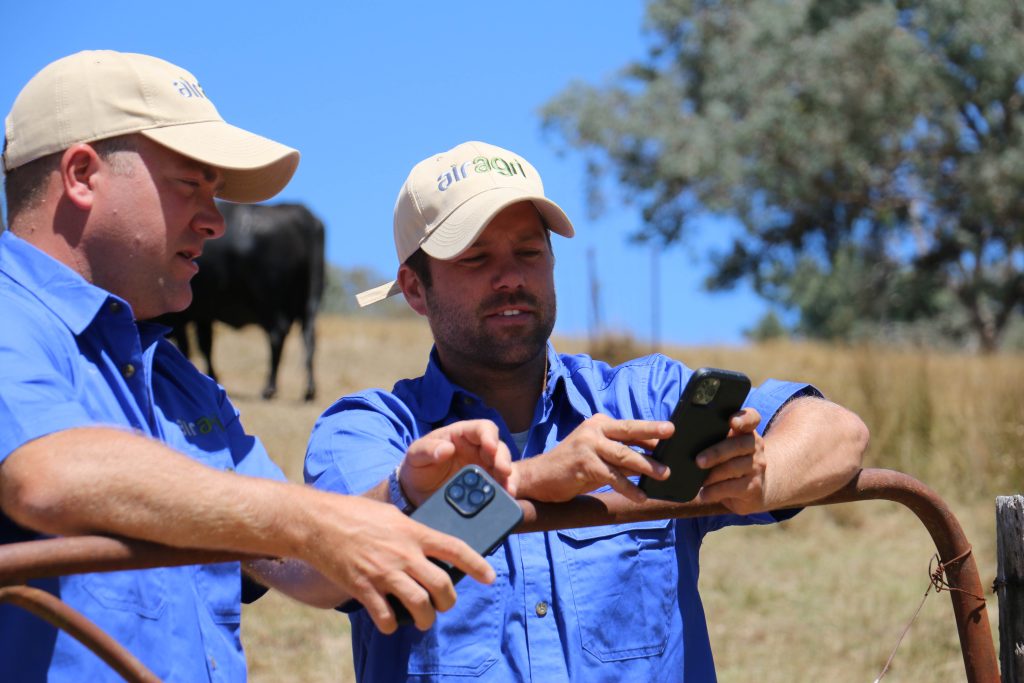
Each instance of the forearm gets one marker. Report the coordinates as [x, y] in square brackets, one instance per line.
[107, 481]
[813, 447]
[298, 580]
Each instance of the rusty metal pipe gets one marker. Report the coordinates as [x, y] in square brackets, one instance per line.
[976, 643]
[52, 609]
[23, 561]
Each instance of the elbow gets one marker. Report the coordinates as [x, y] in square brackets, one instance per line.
[29, 506]
[857, 439]
[29, 497]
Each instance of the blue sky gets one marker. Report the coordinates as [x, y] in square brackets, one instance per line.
[366, 90]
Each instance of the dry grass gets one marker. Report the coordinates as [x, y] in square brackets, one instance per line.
[823, 597]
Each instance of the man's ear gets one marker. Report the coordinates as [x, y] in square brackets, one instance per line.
[78, 168]
[413, 289]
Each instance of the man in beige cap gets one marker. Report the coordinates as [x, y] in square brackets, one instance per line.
[112, 162]
[616, 603]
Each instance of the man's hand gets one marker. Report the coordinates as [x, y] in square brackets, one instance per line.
[371, 550]
[432, 459]
[595, 454]
[737, 467]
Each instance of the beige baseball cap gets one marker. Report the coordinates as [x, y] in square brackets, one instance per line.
[93, 95]
[449, 198]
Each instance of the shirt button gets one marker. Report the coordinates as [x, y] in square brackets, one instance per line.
[128, 370]
[115, 307]
[542, 608]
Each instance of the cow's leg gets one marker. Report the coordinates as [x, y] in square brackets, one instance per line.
[204, 335]
[309, 337]
[276, 333]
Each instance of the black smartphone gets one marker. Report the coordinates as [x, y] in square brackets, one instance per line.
[470, 506]
[701, 417]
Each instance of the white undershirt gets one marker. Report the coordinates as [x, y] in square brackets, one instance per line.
[520, 439]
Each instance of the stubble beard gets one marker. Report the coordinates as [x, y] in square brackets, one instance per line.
[464, 334]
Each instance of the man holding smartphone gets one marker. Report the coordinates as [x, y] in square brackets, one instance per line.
[473, 231]
[112, 162]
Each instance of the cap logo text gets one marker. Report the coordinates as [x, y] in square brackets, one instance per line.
[186, 89]
[479, 164]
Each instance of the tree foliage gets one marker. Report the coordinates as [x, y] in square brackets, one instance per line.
[873, 152]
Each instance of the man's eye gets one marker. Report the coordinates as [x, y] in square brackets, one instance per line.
[189, 182]
[472, 260]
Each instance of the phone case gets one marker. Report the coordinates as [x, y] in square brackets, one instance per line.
[701, 418]
[470, 506]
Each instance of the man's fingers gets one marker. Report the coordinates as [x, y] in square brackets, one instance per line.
[744, 421]
[723, 451]
[455, 552]
[417, 599]
[380, 612]
[742, 466]
[624, 460]
[627, 488]
[635, 431]
[739, 489]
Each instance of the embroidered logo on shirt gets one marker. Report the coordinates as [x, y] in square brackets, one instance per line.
[202, 425]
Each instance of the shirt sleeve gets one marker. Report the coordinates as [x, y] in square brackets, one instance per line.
[665, 384]
[358, 441]
[37, 393]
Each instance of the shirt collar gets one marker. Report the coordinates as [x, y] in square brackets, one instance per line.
[59, 288]
[436, 392]
[560, 379]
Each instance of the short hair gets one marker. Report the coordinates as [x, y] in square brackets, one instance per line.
[24, 185]
[419, 261]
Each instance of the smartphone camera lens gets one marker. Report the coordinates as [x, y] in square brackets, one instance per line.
[706, 391]
[469, 492]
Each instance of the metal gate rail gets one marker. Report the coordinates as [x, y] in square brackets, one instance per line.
[20, 562]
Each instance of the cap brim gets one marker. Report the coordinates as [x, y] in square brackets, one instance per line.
[457, 232]
[255, 168]
[461, 228]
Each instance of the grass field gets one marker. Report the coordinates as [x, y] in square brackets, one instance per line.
[823, 597]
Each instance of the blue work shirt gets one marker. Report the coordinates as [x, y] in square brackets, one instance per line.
[71, 355]
[607, 603]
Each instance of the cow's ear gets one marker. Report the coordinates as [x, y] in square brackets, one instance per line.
[413, 289]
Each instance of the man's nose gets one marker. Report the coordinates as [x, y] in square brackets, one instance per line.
[509, 275]
[210, 222]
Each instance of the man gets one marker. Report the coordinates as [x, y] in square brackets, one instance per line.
[112, 162]
[615, 603]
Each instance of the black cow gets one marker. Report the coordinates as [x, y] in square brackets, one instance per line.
[267, 269]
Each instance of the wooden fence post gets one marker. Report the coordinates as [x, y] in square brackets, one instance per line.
[1010, 585]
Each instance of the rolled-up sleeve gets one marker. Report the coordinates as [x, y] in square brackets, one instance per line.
[36, 397]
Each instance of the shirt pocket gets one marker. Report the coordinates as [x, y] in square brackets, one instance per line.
[624, 580]
[466, 640]
[142, 592]
[220, 589]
